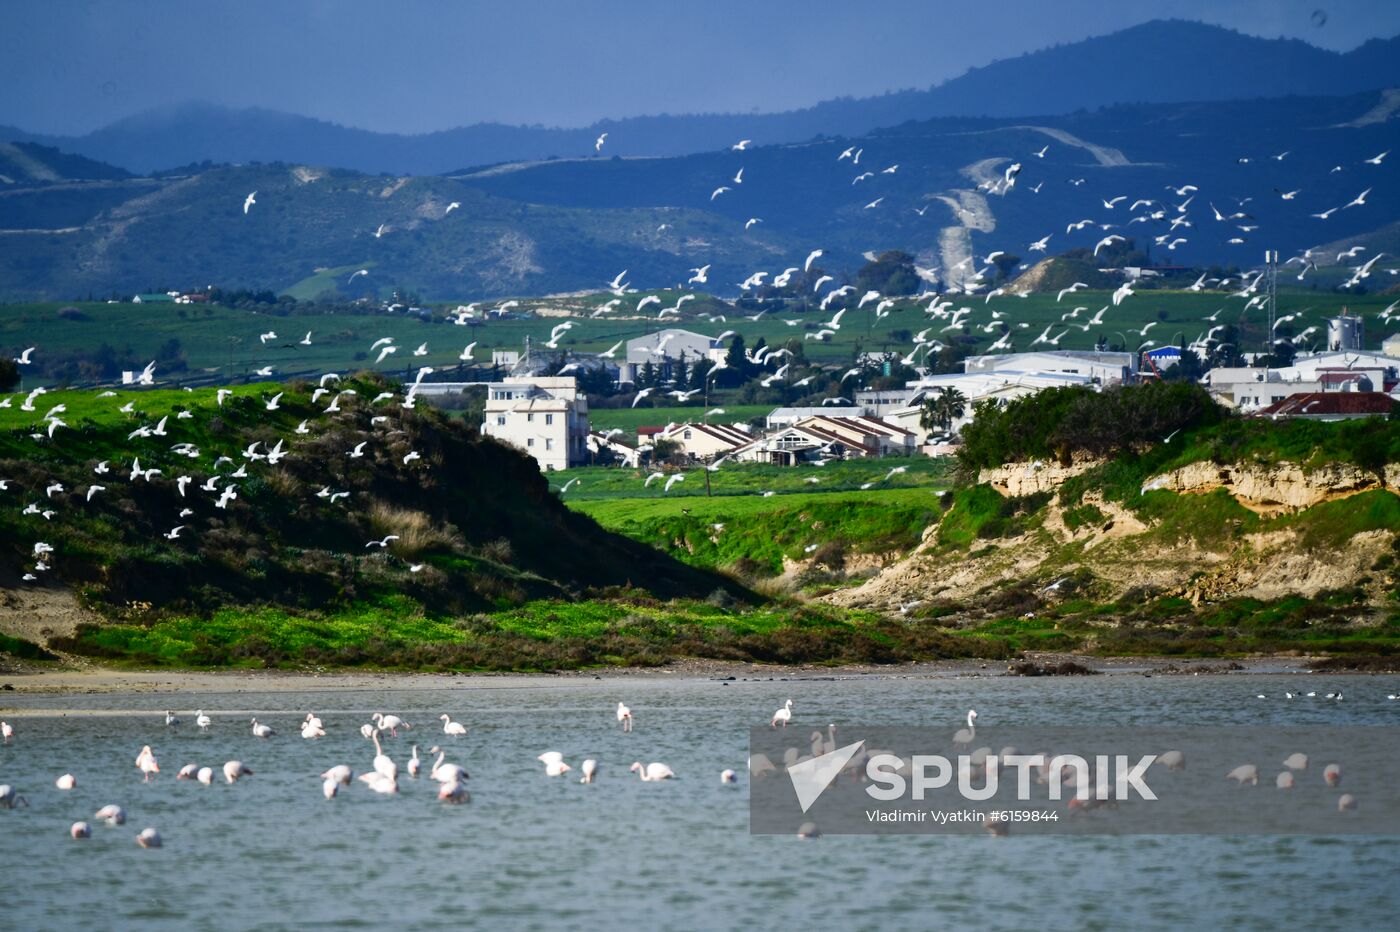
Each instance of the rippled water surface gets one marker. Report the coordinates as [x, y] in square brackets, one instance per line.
[535, 852]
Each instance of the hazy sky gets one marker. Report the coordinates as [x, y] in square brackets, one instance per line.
[68, 66]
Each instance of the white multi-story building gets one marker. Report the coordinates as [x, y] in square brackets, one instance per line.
[546, 417]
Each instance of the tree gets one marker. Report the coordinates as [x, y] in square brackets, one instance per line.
[1225, 351]
[9, 374]
[892, 274]
[1006, 264]
[942, 410]
[737, 359]
[700, 373]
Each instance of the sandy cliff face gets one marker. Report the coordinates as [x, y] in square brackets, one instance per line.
[1018, 479]
[1278, 487]
[1123, 553]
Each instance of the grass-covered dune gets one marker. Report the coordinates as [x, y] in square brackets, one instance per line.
[475, 518]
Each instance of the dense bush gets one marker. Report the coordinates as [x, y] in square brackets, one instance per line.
[1060, 422]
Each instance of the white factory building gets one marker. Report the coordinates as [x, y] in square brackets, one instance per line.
[664, 347]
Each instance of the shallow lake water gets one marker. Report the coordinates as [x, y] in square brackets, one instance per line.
[534, 852]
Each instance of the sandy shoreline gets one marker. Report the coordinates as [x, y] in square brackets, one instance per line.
[97, 679]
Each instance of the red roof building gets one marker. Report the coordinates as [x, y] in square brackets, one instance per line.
[1332, 406]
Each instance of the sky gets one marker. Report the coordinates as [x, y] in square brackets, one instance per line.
[411, 66]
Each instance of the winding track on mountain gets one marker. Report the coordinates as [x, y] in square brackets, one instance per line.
[972, 211]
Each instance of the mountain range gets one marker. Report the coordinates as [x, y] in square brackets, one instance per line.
[1197, 183]
[1156, 62]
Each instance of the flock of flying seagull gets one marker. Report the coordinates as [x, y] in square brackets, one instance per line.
[973, 276]
[943, 314]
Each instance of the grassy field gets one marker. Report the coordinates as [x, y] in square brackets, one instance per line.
[225, 342]
[324, 280]
[629, 419]
[754, 535]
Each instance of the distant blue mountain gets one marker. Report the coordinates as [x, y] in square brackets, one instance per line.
[1157, 62]
[552, 226]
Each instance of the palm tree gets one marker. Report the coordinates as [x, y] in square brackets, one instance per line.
[950, 406]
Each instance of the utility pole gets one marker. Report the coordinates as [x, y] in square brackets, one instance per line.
[1271, 284]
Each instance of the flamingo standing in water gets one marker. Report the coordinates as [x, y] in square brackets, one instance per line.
[728, 776]
[414, 763]
[380, 783]
[554, 765]
[1332, 773]
[1244, 773]
[187, 772]
[111, 814]
[453, 792]
[149, 838]
[205, 775]
[384, 764]
[589, 770]
[7, 731]
[329, 788]
[782, 716]
[80, 830]
[450, 727]
[9, 799]
[340, 774]
[651, 772]
[202, 720]
[624, 717]
[445, 773]
[964, 736]
[235, 769]
[311, 729]
[66, 782]
[146, 763]
[391, 723]
[262, 731]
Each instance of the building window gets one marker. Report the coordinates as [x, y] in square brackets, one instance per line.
[529, 441]
[549, 443]
[687, 435]
[549, 419]
[500, 420]
[530, 418]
